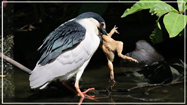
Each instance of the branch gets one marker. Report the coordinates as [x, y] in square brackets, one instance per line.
[172, 83]
[15, 63]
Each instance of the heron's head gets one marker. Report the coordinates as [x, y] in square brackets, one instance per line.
[96, 19]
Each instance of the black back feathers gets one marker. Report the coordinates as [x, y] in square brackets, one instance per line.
[62, 38]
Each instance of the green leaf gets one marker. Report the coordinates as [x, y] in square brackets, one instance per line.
[93, 7]
[158, 24]
[141, 5]
[181, 5]
[174, 23]
[161, 8]
[156, 36]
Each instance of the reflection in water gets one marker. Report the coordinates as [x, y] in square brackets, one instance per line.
[97, 78]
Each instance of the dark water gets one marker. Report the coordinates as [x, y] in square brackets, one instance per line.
[97, 78]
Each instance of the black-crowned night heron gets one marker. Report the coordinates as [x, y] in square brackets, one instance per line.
[67, 51]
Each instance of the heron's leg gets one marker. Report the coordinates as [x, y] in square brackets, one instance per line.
[82, 94]
[88, 90]
[78, 89]
[69, 87]
[78, 76]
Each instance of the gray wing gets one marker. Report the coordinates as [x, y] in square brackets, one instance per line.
[64, 37]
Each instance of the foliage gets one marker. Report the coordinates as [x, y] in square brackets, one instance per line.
[156, 35]
[174, 20]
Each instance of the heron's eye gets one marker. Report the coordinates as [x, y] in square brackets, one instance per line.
[101, 24]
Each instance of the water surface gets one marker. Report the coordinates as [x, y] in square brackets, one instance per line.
[98, 78]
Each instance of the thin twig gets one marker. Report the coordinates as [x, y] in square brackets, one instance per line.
[172, 83]
[142, 86]
[15, 63]
[147, 91]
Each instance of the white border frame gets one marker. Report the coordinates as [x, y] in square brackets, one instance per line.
[89, 102]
